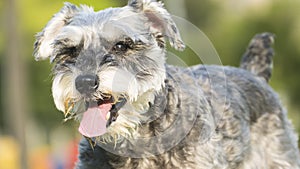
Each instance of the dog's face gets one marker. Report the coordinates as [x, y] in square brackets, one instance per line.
[108, 65]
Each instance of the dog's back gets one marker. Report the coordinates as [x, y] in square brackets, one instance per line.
[254, 129]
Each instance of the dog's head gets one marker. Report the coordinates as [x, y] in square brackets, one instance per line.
[108, 65]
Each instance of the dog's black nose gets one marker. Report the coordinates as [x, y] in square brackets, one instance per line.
[87, 84]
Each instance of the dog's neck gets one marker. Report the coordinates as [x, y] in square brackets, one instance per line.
[165, 120]
[158, 116]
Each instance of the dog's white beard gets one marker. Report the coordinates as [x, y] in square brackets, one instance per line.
[63, 89]
[115, 82]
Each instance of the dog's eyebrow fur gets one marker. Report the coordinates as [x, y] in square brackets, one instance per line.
[115, 31]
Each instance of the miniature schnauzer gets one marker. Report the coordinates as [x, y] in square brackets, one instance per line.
[136, 111]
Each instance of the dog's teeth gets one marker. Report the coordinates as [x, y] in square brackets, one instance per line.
[107, 116]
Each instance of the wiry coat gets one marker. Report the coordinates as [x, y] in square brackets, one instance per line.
[201, 117]
[240, 125]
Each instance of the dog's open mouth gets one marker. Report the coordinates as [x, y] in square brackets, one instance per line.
[98, 115]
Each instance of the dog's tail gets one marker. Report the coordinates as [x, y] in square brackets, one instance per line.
[258, 59]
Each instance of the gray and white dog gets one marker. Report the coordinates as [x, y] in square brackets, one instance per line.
[135, 111]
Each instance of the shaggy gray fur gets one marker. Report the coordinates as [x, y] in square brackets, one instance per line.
[259, 56]
[224, 117]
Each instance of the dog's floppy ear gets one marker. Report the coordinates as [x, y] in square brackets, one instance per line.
[160, 20]
[43, 47]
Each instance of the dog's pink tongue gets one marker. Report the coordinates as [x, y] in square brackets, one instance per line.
[93, 123]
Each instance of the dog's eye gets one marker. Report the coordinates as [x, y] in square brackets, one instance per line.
[108, 59]
[121, 47]
[71, 51]
[66, 54]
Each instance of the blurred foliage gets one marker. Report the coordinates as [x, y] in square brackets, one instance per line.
[228, 24]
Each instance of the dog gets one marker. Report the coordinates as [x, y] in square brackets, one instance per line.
[136, 111]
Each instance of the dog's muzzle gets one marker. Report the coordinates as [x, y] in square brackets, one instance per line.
[86, 84]
[97, 112]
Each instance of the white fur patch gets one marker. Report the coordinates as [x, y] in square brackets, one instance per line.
[63, 88]
[118, 81]
[50, 33]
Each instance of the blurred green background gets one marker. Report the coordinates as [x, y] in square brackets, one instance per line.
[32, 134]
